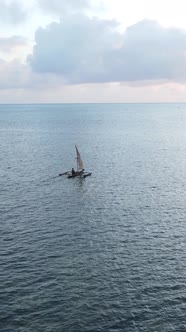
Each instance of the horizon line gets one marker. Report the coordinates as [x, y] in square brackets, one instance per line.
[97, 103]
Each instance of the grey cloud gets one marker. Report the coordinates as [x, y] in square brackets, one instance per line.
[85, 50]
[9, 44]
[150, 51]
[12, 12]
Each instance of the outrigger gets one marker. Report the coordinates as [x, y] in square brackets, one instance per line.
[80, 168]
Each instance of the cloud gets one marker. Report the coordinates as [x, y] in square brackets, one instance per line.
[61, 6]
[10, 44]
[74, 47]
[17, 75]
[12, 12]
[14, 74]
[90, 50]
[151, 52]
[100, 93]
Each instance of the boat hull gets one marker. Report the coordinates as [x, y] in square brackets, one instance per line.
[88, 174]
[81, 175]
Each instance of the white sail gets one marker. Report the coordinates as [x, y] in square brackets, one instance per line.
[80, 165]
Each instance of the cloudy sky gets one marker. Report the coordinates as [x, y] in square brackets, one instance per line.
[92, 51]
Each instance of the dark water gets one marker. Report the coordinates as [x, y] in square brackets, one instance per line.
[107, 253]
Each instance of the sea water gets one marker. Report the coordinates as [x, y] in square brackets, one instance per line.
[105, 253]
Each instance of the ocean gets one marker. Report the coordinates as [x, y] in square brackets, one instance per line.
[105, 253]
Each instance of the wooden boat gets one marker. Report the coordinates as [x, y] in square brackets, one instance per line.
[80, 172]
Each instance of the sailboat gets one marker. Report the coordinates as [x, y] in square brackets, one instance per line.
[80, 168]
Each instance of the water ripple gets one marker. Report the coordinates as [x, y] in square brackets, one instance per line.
[105, 254]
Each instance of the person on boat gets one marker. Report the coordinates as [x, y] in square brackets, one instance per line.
[73, 172]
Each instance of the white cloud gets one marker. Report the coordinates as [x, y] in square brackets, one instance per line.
[62, 6]
[12, 12]
[16, 75]
[100, 93]
[12, 43]
[167, 13]
[13, 75]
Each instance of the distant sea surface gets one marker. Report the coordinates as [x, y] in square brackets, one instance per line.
[105, 253]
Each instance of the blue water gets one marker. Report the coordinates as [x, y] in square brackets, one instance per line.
[105, 253]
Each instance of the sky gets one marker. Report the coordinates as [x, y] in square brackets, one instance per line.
[73, 51]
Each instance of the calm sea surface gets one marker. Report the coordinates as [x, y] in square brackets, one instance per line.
[105, 253]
